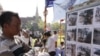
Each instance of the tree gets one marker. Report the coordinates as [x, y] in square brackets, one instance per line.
[41, 25]
[55, 26]
[29, 24]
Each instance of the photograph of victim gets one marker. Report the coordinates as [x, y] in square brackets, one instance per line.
[97, 15]
[72, 18]
[83, 51]
[71, 50]
[96, 52]
[71, 35]
[96, 37]
[84, 35]
[85, 17]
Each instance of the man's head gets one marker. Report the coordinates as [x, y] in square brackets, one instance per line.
[10, 23]
[47, 34]
[55, 32]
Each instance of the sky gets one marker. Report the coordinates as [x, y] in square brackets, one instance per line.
[27, 8]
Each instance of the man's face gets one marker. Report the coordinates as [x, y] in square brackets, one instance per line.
[14, 26]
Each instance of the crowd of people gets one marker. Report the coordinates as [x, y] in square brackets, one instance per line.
[15, 41]
[49, 43]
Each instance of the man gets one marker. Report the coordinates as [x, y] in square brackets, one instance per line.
[10, 24]
[50, 44]
[55, 36]
[24, 37]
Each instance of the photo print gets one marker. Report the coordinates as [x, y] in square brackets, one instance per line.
[83, 51]
[72, 18]
[84, 35]
[97, 15]
[85, 17]
[71, 35]
[96, 38]
[96, 50]
[71, 50]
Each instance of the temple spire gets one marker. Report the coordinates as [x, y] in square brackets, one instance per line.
[37, 14]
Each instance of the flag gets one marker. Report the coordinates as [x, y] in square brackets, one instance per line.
[66, 4]
[49, 3]
[70, 4]
[59, 13]
[60, 7]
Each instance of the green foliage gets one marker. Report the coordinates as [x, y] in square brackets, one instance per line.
[55, 26]
[41, 24]
[63, 27]
[29, 24]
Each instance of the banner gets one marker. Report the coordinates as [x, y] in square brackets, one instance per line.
[49, 3]
[59, 13]
[66, 4]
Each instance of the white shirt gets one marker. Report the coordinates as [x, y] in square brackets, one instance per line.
[23, 39]
[55, 37]
[50, 44]
[43, 54]
[8, 46]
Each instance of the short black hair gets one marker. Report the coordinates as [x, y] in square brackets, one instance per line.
[6, 17]
[62, 43]
[48, 33]
[55, 32]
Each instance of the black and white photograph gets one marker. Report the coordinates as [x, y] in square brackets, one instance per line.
[96, 38]
[71, 35]
[71, 50]
[97, 15]
[83, 51]
[84, 35]
[96, 52]
[85, 17]
[72, 19]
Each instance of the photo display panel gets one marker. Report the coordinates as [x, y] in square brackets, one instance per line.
[83, 32]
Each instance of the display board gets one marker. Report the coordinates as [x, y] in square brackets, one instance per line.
[83, 32]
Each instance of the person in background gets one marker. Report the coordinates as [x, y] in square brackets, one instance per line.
[62, 49]
[55, 36]
[44, 39]
[24, 37]
[38, 43]
[10, 24]
[50, 44]
[27, 39]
